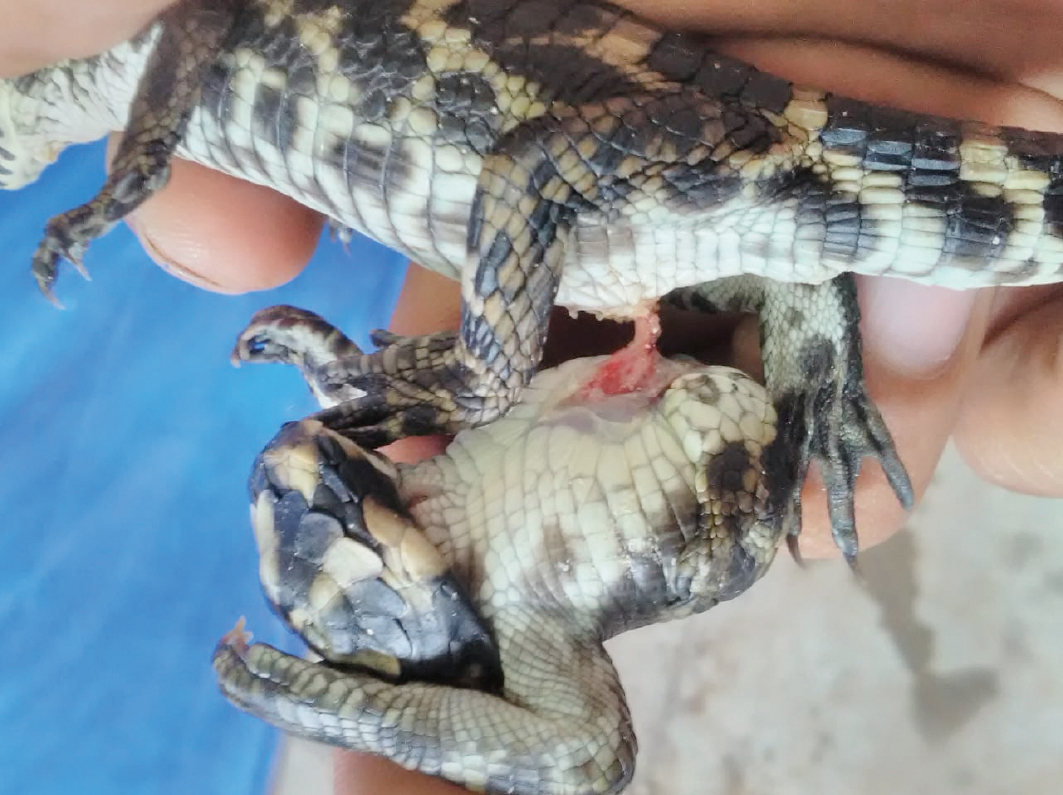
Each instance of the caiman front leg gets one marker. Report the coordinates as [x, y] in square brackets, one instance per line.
[191, 36]
[813, 368]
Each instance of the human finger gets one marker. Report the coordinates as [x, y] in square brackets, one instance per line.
[364, 774]
[222, 233]
[39, 33]
[1010, 428]
[1016, 42]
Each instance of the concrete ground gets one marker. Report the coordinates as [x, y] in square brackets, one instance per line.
[944, 674]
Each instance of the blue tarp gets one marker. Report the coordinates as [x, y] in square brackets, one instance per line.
[125, 550]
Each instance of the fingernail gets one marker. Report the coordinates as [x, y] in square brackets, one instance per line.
[913, 328]
[167, 263]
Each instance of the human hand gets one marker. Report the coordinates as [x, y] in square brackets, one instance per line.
[45, 31]
[980, 365]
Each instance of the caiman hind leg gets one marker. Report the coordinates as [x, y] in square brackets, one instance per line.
[191, 35]
[560, 727]
[811, 347]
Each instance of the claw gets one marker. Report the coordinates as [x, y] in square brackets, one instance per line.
[50, 295]
[238, 638]
[44, 271]
[46, 261]
[381, 337]
[847, 429]
[79, 266]
[256, 346]
[341, 234]
[795, 549]
[840, 483]
[897, 477]
[44, 284]
[854, 567]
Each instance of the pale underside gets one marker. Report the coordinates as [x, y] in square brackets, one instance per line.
[393, 184]
[571, 498]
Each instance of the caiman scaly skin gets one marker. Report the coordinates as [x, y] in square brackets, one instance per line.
[460, 604]
[542, 152]
[555, 152]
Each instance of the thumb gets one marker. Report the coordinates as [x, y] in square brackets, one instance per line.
[222, 233]
[1010, 429]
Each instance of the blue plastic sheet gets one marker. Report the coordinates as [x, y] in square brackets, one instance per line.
[125, 550]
